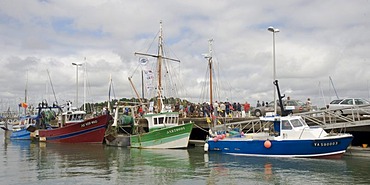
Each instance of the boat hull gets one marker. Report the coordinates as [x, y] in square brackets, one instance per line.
[89, 131]
[170, 137]
[118, 140]
[328, 147]
[22, 134]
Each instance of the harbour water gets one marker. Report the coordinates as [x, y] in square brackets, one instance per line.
[25, 162]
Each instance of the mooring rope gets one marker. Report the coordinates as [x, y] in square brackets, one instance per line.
[201, 128]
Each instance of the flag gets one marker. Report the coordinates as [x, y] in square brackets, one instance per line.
[24, 105]
[143, 61]
[149, 77]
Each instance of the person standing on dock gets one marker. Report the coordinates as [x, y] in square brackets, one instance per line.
[215, 108]
[308, 104]
[258, 103]
[247, 107]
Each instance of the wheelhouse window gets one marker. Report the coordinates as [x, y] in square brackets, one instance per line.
[298, 122]
[160, 120]
[170, 119]
[285, 125]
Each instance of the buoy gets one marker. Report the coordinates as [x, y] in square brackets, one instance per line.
[206, 147]
[267, 144]
[223, 136]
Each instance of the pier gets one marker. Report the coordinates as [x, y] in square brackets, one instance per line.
[356, 124]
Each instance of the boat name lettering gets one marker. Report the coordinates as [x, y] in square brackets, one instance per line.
[89, 123]
[175, 130]
[319, 144]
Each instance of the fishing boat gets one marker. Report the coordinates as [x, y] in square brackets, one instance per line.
[16, 129]
[164, 132]
[19, 129]
[164, 128]
[280, 136]
[71, 127]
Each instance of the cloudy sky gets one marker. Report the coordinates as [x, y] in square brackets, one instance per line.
[317, 40]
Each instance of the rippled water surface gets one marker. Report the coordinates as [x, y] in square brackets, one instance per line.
[24, 162]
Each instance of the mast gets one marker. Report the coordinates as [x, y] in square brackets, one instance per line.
[160, 57]
[109, 90]
[210, 70]
[159, 67]
[142, 84]
[25, 96]
[85, 75]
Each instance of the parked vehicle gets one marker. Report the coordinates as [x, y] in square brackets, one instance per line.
[296, 106]
[349, 106]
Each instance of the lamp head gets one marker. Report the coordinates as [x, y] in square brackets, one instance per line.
[273, 30]
[76, 64]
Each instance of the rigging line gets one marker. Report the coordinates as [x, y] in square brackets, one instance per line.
[52, 87]
[204, 91]
[333, 87]
[154, 40]
[218, 81]
[170, 51]
[174, 77]
[132, 74]
[88, 90]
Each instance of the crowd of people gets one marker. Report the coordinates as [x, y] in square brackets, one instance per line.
[205, 109]
[218, 109]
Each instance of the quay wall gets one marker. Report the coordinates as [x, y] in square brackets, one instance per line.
[201, 126]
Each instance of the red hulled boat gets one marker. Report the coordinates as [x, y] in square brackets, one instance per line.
[73, 127]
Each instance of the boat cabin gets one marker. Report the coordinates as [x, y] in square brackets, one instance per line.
[73, 117]
[293, 127]
[162, 120]
[24, 122]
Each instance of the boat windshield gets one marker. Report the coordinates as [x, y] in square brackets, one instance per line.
[298, 122]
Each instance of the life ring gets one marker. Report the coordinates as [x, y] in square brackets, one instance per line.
[267, 144]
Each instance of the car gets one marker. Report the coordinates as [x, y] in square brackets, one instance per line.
[296, 106]
[347, 106]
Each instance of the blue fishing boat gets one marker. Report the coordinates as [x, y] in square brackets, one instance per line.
[280, 136]
[19, 129]
[46, 117]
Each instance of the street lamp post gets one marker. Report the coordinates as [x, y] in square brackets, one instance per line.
[274, 31]
[77, 65]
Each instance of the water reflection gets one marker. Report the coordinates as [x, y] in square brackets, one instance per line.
[286, 171]
[25, 162]
[72, 160]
